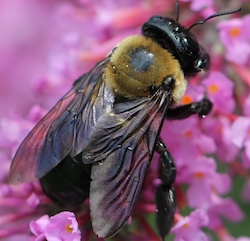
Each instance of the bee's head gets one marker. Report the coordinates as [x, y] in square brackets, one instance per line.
[178, 40]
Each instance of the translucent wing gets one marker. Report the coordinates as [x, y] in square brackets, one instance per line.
[64, 130]
[121, 156]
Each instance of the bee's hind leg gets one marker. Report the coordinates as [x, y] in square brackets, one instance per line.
[165, 200]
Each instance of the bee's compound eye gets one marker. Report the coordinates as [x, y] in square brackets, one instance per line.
[203, 62]
[142, 59]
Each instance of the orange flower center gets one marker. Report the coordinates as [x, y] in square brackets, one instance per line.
[199, 174]
[213, 88]
[184, 226]
[187, 99]
[188, 133]
[234, 32]
[68, 228]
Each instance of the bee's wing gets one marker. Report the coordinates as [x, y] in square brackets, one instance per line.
[118, 175]
[56, 135]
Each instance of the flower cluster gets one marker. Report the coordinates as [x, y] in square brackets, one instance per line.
[40, 60]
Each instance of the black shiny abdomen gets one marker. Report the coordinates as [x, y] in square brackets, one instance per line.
[68, 183]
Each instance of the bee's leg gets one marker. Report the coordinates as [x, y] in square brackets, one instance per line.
[202, 108]
[165, 200]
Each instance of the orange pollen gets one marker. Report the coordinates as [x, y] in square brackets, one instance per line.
[199, 174]
[187, 99]
[188, 133]
[184, 226]
[68, 228]
[234, 32]
[213, 88]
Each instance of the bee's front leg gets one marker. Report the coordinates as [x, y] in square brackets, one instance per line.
[165, 200]
[202, 108]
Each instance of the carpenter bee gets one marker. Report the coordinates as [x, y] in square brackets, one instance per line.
[97, 142]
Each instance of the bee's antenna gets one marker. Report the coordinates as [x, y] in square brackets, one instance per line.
[214, 16]
[177, 7]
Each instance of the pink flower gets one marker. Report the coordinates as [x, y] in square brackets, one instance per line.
[240, 132]
[186, 142]
[37, 227]
[188, 228]
[235, 36]
[220, 209]
[241, 138]
[220, 91]
[202, 178]
[198, 5]
[219, 128]
[193, 93]
[62, 226]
